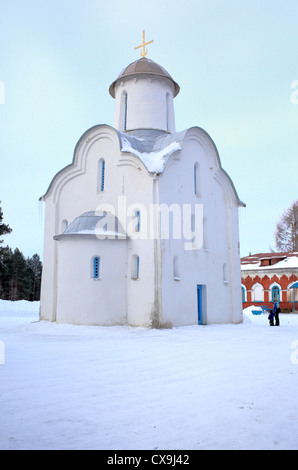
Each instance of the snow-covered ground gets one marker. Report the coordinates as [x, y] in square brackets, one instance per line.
[197, 387]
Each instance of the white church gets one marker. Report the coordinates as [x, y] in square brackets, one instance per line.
[142, 227]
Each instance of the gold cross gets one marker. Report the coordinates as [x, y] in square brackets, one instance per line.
[144, 51]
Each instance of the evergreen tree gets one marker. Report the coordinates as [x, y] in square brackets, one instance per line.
[5, 262]
[4, 255]
[4, 229]
[19, 277]
[34, 270]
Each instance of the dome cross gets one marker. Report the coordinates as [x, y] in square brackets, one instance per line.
[144, 51]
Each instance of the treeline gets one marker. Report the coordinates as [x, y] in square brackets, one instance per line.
[20, 277]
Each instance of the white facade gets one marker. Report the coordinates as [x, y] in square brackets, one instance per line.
[142, 271]
[149, 104]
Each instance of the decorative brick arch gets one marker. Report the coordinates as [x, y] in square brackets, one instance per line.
[266, 269]
[283, 282]
[257, 292]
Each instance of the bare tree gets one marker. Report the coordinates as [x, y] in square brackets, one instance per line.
[286, 232]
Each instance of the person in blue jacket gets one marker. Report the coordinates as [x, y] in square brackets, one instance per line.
[276, 312]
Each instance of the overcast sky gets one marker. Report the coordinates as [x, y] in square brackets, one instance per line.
[235, 61]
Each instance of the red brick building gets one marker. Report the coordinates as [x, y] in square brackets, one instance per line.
[267, 278]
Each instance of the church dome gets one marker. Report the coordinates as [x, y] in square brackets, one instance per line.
[144, 66]
[94, 223]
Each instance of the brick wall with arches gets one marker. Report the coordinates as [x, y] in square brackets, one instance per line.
[264, 281]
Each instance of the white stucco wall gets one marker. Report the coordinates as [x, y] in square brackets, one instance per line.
[220, 247]
[81, 299]
[49, 272]
[140, 292]
[149, 103]
[75, 191]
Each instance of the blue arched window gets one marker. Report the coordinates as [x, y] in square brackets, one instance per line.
[96, 265]
[138, 221]
[275, 294]
[197, 182]
[125, 111]
[243, 293]
[101, 175]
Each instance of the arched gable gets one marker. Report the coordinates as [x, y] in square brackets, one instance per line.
[168, 144]
[202, 138]
[80, 154]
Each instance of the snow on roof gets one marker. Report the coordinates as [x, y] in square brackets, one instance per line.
[284, 260]
[152, 147]
[288, 263]
[153, 161]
